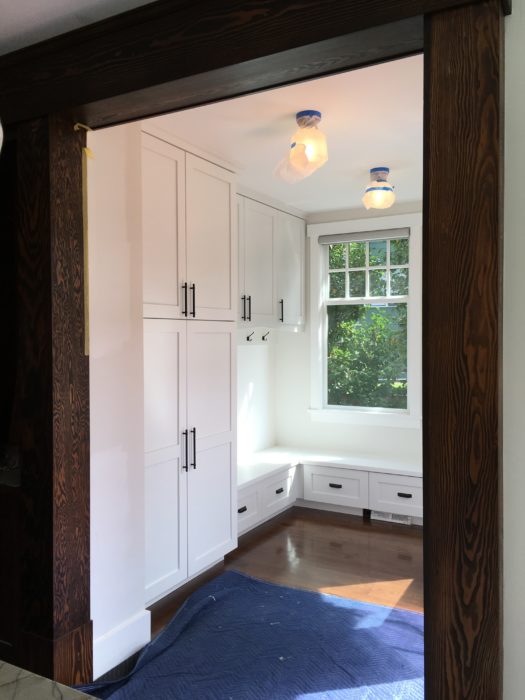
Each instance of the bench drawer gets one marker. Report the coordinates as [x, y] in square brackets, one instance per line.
[248, 509]
[396, 494]
[344, 487]
[279, 492]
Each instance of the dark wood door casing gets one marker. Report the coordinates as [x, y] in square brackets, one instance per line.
[175, 54]
[461, 355]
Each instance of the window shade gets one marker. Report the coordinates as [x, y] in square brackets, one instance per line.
[364, 236]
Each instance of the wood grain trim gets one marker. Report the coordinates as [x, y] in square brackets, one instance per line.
[166, 41]
[461, 386]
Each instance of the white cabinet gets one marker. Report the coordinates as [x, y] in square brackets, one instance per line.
[290, 270]
[163, 228]
[271, 265]
[189, 235]
[256, 267]
[396, 494]
[344, 487]
[190, 482]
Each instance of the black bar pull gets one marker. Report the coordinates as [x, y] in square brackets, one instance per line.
[185, 289]
[280, 490]
[404, 495]
[185, 436]
[249, 307]
[242, 510]
[281, 302]
[335, 486]
[194, 433]
[194, 302]
[243, 299]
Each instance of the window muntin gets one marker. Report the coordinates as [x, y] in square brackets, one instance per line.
[366, 357]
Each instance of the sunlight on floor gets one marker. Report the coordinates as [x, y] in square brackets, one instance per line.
[389, 592]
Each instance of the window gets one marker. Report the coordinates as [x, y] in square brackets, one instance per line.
[367, 330]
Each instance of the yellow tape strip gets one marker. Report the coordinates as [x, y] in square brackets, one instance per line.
[86, 154]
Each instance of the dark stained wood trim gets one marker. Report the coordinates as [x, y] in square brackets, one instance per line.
[50, 424]
[166, 41]
[461, 389]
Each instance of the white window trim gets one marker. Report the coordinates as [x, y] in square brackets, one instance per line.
[410, 418]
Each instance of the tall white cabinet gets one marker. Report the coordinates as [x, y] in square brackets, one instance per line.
[190, 303]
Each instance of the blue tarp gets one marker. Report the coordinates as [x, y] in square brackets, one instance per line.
[237, 638]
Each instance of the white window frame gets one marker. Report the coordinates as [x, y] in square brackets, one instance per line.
[319, 411]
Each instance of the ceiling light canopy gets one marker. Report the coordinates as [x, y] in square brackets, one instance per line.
[380, 193]
[308, 150]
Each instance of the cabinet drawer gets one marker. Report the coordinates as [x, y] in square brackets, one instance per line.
[248, 511]
[344, 487]
[396, 494]
[278, 492]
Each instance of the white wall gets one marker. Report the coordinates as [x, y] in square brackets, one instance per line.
[121, 626]
[255, 394]
[514, 359]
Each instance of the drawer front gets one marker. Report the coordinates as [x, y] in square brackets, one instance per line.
[248, 511]
[396, 494]
[278, 492]
[343, 487]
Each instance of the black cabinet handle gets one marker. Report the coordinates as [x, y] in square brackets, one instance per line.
[404, 495]
[194, 302]
[242, 510]
[185, 309]
[185, 435]
[279, 490]
[336, 486]
[281, 302]
[194, 433]
[249, 307]
[243, 299]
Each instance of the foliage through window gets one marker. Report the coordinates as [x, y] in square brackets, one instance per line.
[367, 311]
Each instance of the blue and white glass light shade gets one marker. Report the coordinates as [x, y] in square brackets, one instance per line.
[308, 150]
[380, 193]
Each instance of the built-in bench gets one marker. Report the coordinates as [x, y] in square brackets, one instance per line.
[272, 480]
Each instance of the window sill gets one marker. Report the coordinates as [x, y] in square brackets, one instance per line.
[356, 417]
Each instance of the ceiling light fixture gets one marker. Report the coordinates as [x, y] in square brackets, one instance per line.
[308, 150]
[380, 193]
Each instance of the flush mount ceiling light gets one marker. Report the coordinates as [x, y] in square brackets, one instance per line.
[380, 193]
[308, 150]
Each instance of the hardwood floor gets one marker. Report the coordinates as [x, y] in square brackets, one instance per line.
[339, 554]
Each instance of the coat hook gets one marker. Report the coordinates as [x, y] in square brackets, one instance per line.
[265, 336]
[249, 337]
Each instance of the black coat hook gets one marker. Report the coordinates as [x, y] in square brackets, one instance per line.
[249, 337]
[265, 336]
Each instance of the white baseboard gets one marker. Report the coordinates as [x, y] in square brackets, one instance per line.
[348, 510]
[121, 642]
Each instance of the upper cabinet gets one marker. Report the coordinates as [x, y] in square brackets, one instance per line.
[256, 268]
[290, 270]
[189, 235]
[271, 265]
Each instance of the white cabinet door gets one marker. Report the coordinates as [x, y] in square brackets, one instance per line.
[211, 252]
[163, 228]
[259, 226]
[165, 455]
[290, 270]
[241, 293]
[212, 490]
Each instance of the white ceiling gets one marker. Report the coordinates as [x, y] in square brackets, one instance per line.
[371, 117]
[25, 22]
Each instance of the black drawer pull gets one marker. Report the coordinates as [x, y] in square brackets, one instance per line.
[404, 495]
[335, 486]
[279, 490]
[242, 510]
